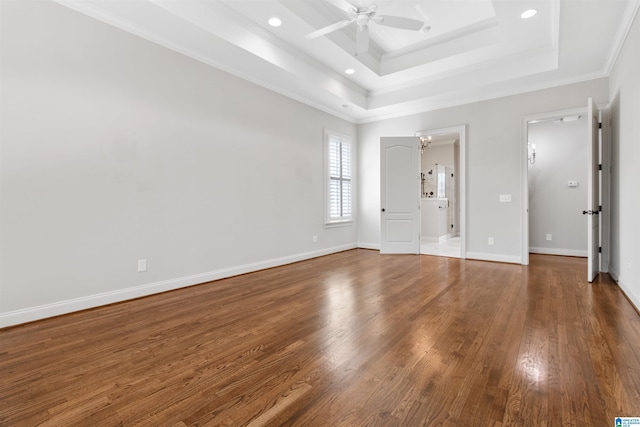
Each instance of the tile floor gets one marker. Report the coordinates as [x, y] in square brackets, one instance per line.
[449, 248]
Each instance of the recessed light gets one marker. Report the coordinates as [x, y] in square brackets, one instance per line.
[349, 71]
[275, 21]
[528, 13]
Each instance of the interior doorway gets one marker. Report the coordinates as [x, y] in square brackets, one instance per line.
[442, 186]
[557, 190]
[595, 131]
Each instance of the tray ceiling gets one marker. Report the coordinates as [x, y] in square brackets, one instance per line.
[468, 50]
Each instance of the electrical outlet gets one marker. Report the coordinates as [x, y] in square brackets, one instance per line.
[505, 198]
[490, 241]
[548, 236]
[314, 239]
[142, 265]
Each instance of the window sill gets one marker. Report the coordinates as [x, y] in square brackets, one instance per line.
[336, 224]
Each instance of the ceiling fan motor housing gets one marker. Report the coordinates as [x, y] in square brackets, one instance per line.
[362, 20]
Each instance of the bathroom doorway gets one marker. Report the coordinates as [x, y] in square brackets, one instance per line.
[441, 190]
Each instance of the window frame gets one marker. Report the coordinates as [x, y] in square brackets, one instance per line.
[343, 220]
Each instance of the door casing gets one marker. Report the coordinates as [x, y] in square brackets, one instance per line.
[604, 226]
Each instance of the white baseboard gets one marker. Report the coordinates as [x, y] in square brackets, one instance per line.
[635, 301]
[440, 239]
[30, 314]
[364, 245]
[482, 256]
[563, 252]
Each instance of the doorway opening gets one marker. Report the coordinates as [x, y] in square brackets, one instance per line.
[557, 185]
[553, 191]
[442, 183]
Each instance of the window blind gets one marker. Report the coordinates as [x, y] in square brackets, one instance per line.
[340, 189]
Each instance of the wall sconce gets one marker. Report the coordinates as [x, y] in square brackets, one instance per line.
[531, 157]
[425, 142]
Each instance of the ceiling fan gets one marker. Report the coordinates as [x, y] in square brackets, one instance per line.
[362, 17]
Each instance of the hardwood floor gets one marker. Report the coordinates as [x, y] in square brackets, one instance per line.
[351, 339]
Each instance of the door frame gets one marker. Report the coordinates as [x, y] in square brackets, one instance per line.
[524, 177]
[462, 176]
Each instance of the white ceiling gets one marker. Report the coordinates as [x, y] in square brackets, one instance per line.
[474, 50]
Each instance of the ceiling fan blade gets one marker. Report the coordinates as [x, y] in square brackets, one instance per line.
[329, 29]
[400, 22]
[344, 5]
[362, 39]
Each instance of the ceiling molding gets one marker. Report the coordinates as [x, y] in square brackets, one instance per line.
[487, 95]
[629, 16]
[471, 61]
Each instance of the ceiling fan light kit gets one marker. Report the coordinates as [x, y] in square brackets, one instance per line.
[362, 18]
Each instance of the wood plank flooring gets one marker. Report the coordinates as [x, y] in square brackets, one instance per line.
[350, 339]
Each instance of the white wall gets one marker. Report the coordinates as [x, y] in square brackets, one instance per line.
[554, 207]
[115, 149]
[495, 149]
[624, 91]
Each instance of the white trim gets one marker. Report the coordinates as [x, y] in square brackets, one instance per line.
[415, 108]
[615, 276]
[364, 114]
[624, 27]
[605, 189]
[629, 295]
[110, 19]
[337, 224]
[524, 170]
[365, 245]
[554, 251]
[483, 256]
[344, 139]
[30, 314]
[440, 239]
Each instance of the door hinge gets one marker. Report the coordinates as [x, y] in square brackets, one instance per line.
[600, 208]
[600, 249]
[600, 125]
[600, 167]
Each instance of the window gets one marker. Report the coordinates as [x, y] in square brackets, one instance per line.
[339, 184]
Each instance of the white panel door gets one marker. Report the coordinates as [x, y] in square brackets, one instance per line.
[593, 191]
[399, 195]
